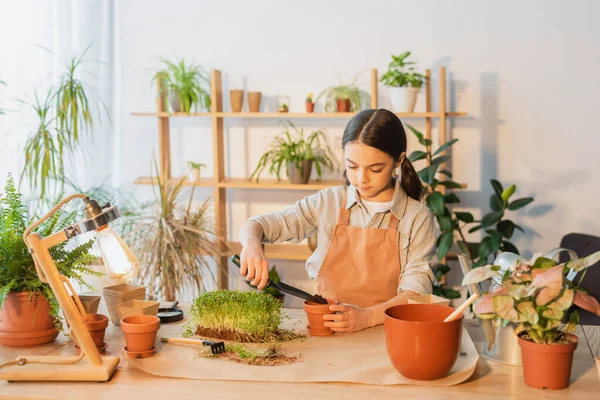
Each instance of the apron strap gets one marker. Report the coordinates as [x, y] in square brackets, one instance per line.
[394, 221]
[344, 215]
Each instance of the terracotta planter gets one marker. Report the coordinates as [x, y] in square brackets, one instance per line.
[294, 174]
[236, 98]
[96, 325]
[419, 343]
[343, 105]
[24, 322]
[90, 303]
[547, 366]
[121, 293]
[316, 323]
[140, 332]
[137, 307]
[310, 107]
[254, 99]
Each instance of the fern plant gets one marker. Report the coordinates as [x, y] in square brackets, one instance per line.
[17, 270]
[184, 83]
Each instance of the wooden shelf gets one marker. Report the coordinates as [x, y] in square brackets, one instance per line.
[290, 115]
[293, 252]
[242, 183]
[146, 180]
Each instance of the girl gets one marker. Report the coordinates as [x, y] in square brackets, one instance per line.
[376, 239]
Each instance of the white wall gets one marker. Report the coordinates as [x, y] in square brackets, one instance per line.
[525, 71]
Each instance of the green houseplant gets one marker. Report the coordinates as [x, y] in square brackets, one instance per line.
[344, 97]
[174, 242]
[537, 296]
[498, 229]
[296, 152]
[184, 84]
[403, 82]
[22, 293]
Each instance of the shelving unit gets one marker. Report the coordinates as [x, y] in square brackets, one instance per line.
[221, 183]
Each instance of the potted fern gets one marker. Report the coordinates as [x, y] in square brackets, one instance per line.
[536, 296]
[297, 153]
[344, 97]
[29, 312]
[184, 85]
[403, 82]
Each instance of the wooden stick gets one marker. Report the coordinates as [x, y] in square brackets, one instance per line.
[180, 340]
[458, 312]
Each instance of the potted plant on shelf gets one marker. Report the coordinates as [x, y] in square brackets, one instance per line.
[403, 82]
[310, 106]
[537, 296]
[194, 175]
[183, 84]
[344, 98]
[29, 312]
[297, 153]
[174, 241]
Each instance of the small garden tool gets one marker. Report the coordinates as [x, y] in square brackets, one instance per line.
[215, 347]
[287, 288]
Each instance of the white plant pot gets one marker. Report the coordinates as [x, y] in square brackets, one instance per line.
[194, 175]
[404, 98]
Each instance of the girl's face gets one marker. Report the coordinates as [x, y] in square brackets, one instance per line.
[369, 170]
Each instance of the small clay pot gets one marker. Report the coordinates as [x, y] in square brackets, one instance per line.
[343, 105]
[310, 107]
[140, 332]
[236, 98]
[419, 343]
[547, 366]
[96, 325]
[254, 99]
[316, 323]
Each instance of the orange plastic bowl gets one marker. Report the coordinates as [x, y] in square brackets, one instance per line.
[419, 343]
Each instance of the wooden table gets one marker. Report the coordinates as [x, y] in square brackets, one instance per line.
[491, 380]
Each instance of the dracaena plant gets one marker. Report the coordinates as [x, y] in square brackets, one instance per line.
[536, 295]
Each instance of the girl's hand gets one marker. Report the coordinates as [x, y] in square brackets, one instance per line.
[254, 265]
[348, 318]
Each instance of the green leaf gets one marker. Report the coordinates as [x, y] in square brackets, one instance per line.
[451, 198]
[475, 228]
[508, 246]
[519, 203]
[496, 240]
[480, 263]
[505, 308]
[496, 203]
[440, 160]
[417, 155]
[428, 173]
[450, 293]
[491, 218]
[444, 243]
[445, 146]
[435, 202]
[497, 187]
[485, 247]
[420, 137]
[445, 223]
[528, 313]
[451, 185]
[465, 217]
[440, 270]
[447, 173]
[508, 192]
[506, 228]
[543, 263]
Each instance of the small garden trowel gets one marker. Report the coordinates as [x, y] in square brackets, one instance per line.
[287, 288]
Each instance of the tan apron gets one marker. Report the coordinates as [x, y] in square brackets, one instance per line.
[362, 265]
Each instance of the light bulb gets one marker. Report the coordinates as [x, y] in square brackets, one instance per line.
[120, 262]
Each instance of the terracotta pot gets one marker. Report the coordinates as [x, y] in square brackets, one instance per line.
[310, 107]
[547, 366]
[254, 99]
[294, 174]
[419, 343]
[316, 323]
[236, 98]
[343, 105]
[96, 325]
[24, 322]
[140, 332]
